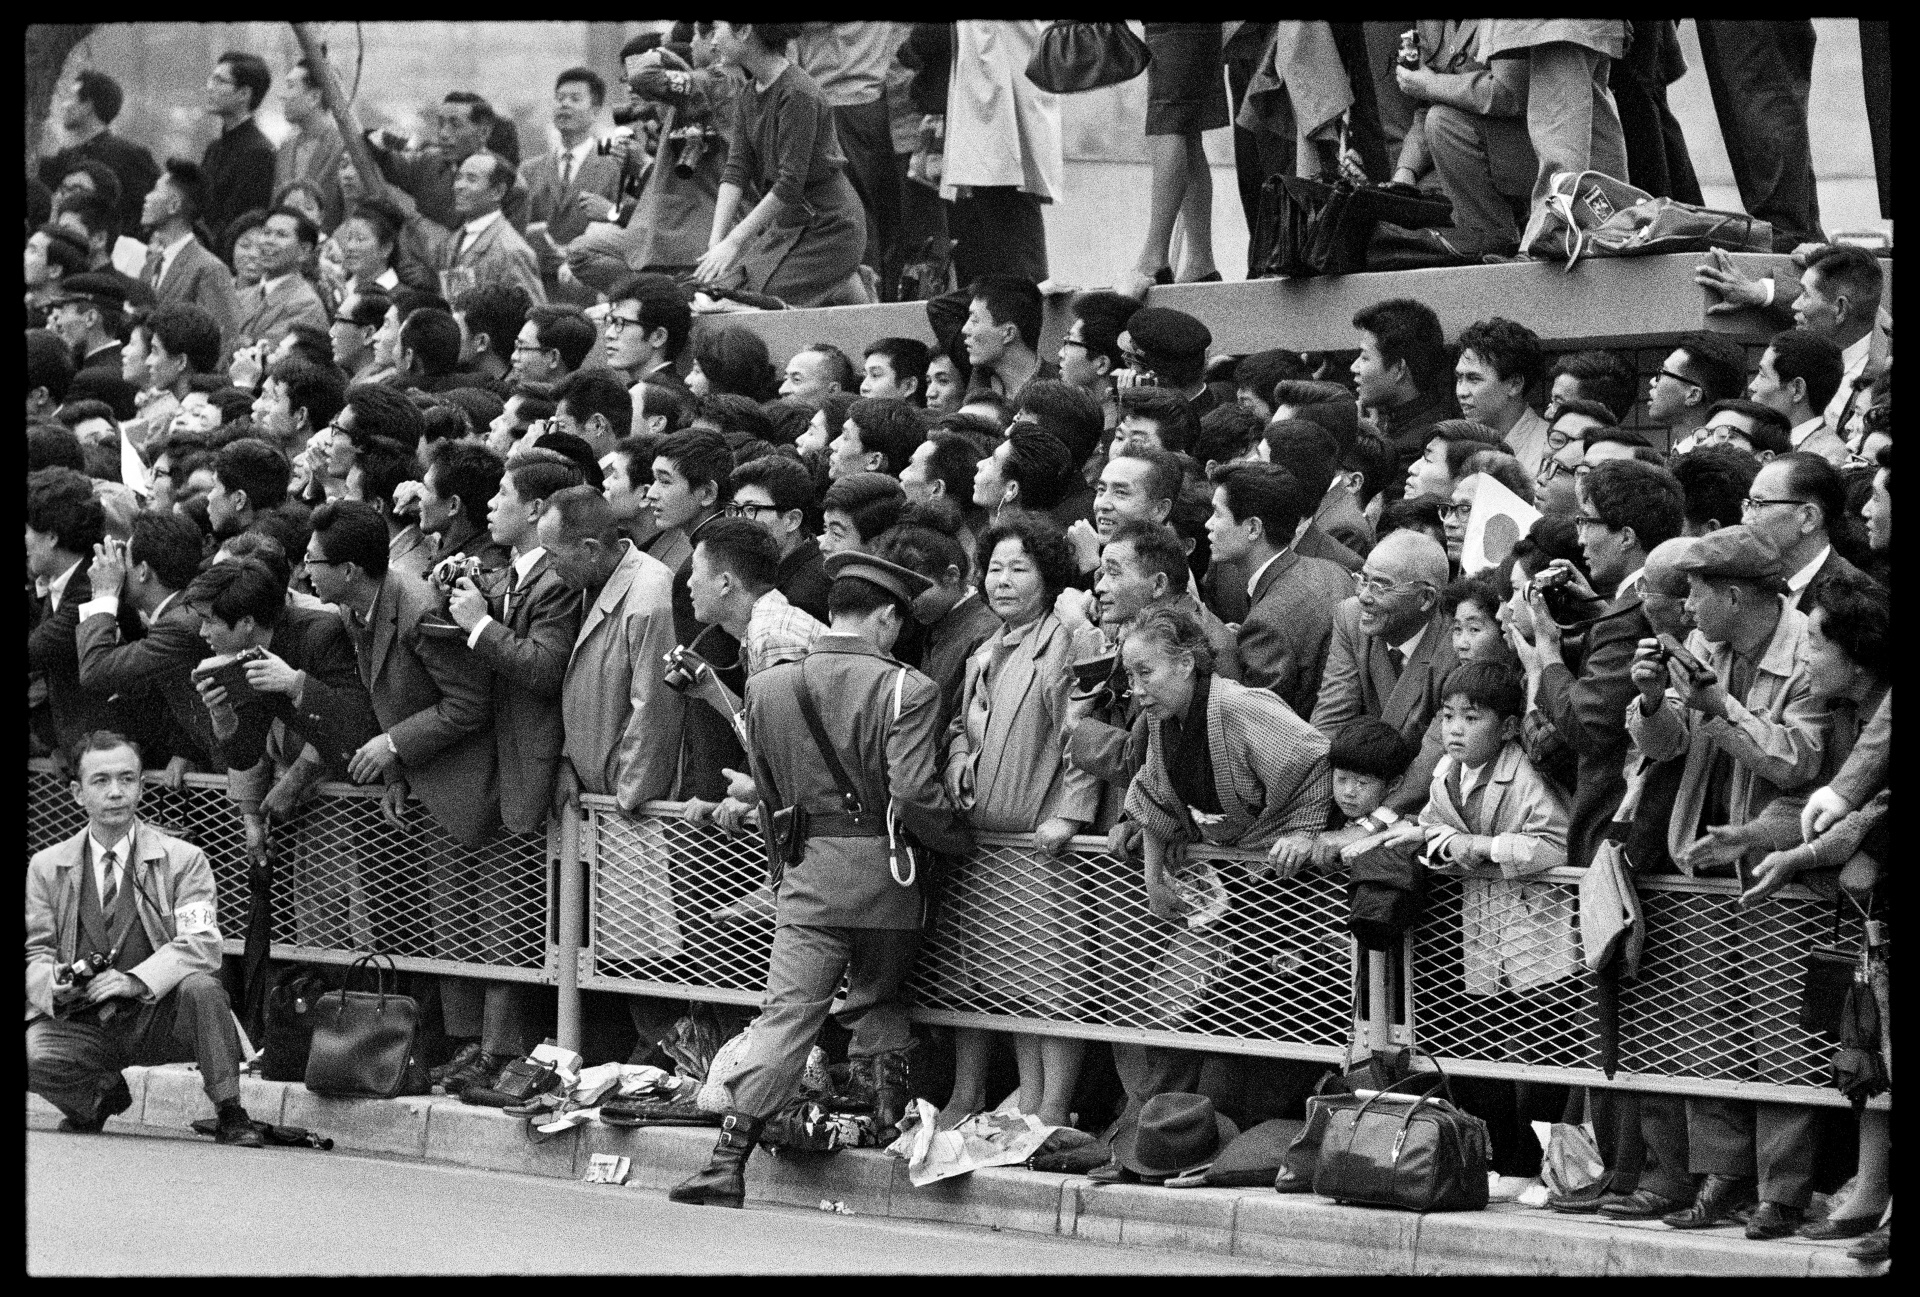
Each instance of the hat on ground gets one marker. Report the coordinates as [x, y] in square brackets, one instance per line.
[898, 581]
[1163, 331]
[1173, 1135]
[1254, 1158]
[1736, 554]
[103, 291]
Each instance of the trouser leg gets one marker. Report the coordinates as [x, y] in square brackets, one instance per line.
[998, 230]
[1760, 74]
[866, 137]
[1395, 107]
[874, 1010]
[1616, 1134]
[1149, 1070]
[72, 1064]
[1485, 166]
[1876, 79]
[1664, 1128]
[1571, 118]
[1495, 1100]
[506, 1025]
[463, 1003]
[194, 1022]
[802, 976]
[1785, 1142]
[923, 218]
[1720, 1137]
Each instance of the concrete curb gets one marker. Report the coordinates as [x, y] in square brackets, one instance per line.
[1295, 1229]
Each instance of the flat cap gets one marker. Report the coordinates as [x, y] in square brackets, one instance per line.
[1163, 331]
[901, 582]
[1736, 554]
[103, 291]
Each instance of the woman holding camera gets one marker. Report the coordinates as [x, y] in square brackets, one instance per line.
[802, 240]
[1023, 915]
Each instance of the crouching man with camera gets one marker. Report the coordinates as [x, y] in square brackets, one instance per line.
[122, 949]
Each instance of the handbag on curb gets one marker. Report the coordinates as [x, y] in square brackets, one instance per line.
[1591, 214]
[1075, 57]
[1419, 1153]
[366, 1043]
[288, 1036]
[1311, 227]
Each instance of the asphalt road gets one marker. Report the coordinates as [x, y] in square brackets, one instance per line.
[140, 1205]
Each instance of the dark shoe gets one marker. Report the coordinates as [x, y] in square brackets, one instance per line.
[1112, 1173]
[1586, 1202]
[480, 1073]
[724, 1181]
[1875, 1246]
[1719, 1196]
[892, 1074]
[1287, 1182]
[1211, 277]
[1773, 1220]
[238, 1129]
[114, 1101]
[1836, 1227]
[1164, 275]
[462, 1057]
[1641, 1204]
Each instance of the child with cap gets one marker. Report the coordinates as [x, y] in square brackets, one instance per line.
[1494, 820]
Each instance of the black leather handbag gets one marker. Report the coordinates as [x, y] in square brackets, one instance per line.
[1074, 57]
[1826, 975]
[1424, 1155]
[1310, 227]
[366, 1044]
[288, 1038]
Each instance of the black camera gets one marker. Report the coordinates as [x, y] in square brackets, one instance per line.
[82, 970]
[230, 673]
[1097, 681]
[683, 668]
[1408, 55]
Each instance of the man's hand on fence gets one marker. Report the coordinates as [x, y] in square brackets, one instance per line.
[731, 815]
[1771, 874]
[256, 830]
[1123, 840]
[740, 787]
[1288, 856]
[1164, 901]
[374, 759]
[1823, 810]
[566, 789]
[174, 777]
[1722, 845]
[393, 805]
[1052, 837]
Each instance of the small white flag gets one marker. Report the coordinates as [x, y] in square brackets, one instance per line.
[1499, 519]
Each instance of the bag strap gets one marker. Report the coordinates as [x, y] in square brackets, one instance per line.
[895, 848]
[810, 713]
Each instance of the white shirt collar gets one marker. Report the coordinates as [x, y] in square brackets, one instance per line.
[1630, 582]
[57, 588]
[1853, 356]
[268, 285]
[1802, 431]
[123, 854]
[1470, 777]
[480, 223]
[1261, 571]
[578, 153]
[388, 278]
[1804, 577]
[172, 250]
[524, 564]
[1409, 646]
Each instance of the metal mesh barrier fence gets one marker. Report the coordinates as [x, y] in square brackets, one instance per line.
[347, 882]
[1065, 946]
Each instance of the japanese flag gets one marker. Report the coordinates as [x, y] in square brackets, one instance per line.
[1499, 518]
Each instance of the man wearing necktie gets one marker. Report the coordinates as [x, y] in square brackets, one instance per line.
[134, 909]
[571, 186]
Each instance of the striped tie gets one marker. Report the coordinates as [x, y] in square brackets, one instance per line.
[110, 890]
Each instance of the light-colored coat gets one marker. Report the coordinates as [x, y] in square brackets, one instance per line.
[623, 725]
[1775, 735]
[1270, 772]
[497, 255]
[173, 887]
[1001, 128]
[1513, 933]
[1007, 733]
[263, 316]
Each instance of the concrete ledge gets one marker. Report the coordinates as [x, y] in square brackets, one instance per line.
[1290, 1229]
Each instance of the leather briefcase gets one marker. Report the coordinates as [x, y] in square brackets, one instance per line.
[366, 1043]
[1419, 1153]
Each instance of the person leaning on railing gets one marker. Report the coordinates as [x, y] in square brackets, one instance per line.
[1273, 779]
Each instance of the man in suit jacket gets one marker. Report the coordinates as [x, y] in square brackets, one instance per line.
[571, 186]
[623, 725]
[283, 297]
[485, 248]
[1390, 651]
[90, 107]
[312, 151]
[146, 900]
[1283, 639]
[177, 268]
[149, 572]
[64, 526]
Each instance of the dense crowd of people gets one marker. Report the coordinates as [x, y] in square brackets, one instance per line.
[431, 483]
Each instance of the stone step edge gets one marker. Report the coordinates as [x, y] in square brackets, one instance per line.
[1287, 1229]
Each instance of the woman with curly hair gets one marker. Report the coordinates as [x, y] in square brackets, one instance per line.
[1022, 914]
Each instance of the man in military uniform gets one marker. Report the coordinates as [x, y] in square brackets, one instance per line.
[849, 900]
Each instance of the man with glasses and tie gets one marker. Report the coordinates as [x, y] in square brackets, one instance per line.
[649, 318]
[1703, 369]
[1389, 652]
[1793, 503]
[137, 906]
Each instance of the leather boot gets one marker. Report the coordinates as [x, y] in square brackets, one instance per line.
[724, 1181]
[892, 1092]
[1718, 1197]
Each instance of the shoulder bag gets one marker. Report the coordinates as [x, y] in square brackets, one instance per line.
[1419, 1155]
[1074, 57]
[366, 1043]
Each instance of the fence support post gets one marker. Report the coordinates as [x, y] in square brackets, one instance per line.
[1379, 1016]
[572, 924]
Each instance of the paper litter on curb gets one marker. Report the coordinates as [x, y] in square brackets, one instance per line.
[608, 1168]
[1004, 1137]
[836, 1207]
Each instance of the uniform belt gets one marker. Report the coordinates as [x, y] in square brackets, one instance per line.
[839, 824]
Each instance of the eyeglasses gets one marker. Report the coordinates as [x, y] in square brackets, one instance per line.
[1557, 440]
[751, 512]
[1750, 503]
[1075, 342]
[314, 560]
[1379, 586]
[1585, 520]
[1680, 378]
[519, 347]
[1456, 511]
[616, 323]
